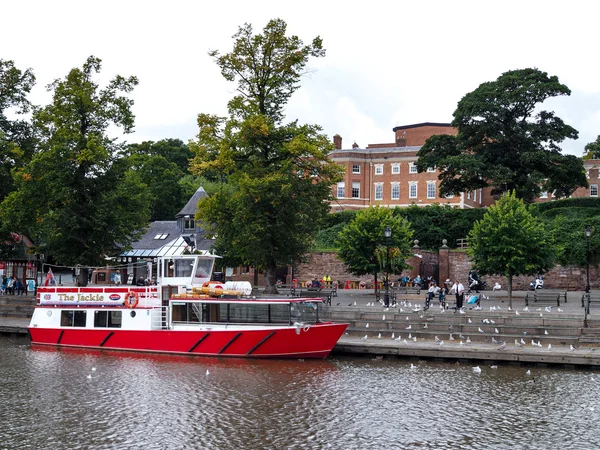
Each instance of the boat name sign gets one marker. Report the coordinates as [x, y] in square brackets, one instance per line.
[80, 299]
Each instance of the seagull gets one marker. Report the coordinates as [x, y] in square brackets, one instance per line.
[405, 343]
[354, 303]
[409, 327]
[509, 308]
[526, 308]
[398, 338]
[365, 337]
[451, 337]
[462, 343]
[541, 315]
[415, 339]
[462, 311]
[492, 321]
[480, 330]
[425, 326]
[406, 317]
[93, 369]
[393, 335]
[502, 347]
[207, 372]
[383, 318]
[548, 308]
[522, 341]
[496, 330]
[528, 372]
[437, 339]
[545, 331]
[560, 310]
[468, 340]
[379, 336]
[571, 348]
[493, 367]
[367, 325]
[89, 377]
[518, 344]
[477, 369]
[409, 335]
[485, 321]
[494, 341]
[412, 366]
[517, 312]
[470, 321]
[441, 342]
[549, 347]
[533, 343]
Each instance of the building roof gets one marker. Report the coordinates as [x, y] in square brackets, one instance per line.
[423, 124]
[190, 207]
[372, 150]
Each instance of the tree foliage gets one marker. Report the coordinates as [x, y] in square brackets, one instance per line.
[161, 166]
[77, 197]
[510, 241]
[503, 141]
[275, 177]
[592, 150]
[360, 240]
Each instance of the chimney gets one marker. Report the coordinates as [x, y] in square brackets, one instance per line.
[355, 145]
[337, 140]
[401, 140]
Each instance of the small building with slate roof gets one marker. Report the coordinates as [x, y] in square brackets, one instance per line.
[166, 238]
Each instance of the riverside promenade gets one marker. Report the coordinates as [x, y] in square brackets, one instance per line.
[538, 334]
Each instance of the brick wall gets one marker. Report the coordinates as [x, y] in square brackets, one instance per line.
[458, 263]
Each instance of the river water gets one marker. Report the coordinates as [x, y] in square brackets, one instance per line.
[75, 399]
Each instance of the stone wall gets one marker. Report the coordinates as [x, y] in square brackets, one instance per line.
[458, 265]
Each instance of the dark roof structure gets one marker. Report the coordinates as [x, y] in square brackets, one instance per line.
[190, 207]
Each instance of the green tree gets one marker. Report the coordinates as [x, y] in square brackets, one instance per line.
[592, 150]
[275, 177]
[503, 141]
[77, 196]
[363, 247]
[173, 150]
[510, 241]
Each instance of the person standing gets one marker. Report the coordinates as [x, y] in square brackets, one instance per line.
[117, 278]
[459, 290]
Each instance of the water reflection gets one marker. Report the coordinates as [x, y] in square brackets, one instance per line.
[55, 399]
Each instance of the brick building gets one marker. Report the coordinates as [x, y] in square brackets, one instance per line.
[386, 174]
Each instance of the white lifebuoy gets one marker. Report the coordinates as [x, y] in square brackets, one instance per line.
[306, 328]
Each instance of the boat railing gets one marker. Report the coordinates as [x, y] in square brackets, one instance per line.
[159, 318]
[225, 325]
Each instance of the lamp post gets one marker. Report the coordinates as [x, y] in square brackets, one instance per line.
[588, 233]
[387, 232]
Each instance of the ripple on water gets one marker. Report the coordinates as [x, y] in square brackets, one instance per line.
[54, 399]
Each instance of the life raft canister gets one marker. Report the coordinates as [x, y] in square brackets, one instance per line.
[128, 302]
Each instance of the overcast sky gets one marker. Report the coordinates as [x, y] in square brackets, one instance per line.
[387, 64]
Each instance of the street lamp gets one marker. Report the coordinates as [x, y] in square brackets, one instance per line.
[588, 233]
[387, 232]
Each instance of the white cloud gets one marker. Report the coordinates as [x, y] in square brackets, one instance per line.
[387, 63]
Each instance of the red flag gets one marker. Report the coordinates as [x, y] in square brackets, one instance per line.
[50, 278]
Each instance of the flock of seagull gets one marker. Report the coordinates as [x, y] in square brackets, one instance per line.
[463, 341]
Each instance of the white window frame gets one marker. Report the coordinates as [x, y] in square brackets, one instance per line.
[395, 169]
[356, 188]
[378, 191]
[429, 184]
[431, 169]
[378, 169]
[341, 189]
[356, 168]
[544, 194]
[415, 185]
[395, 191]
[412, 168]
[593, 187]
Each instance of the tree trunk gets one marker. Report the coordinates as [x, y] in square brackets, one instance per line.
[510, 277]
[271, 280]
[376, 285]
[82, 279]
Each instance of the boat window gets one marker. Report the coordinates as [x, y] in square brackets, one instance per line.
[70, 318]
[304, 312]
[108, 319]
[186, 312]
[249, 313]
[204, 268]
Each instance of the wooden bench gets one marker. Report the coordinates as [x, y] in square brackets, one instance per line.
[326, 294]
[594, 299]
[409, 290]
[543, 298]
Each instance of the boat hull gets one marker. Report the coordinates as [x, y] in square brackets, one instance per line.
[315, 341]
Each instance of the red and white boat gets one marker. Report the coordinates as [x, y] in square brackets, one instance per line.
[184, 313]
